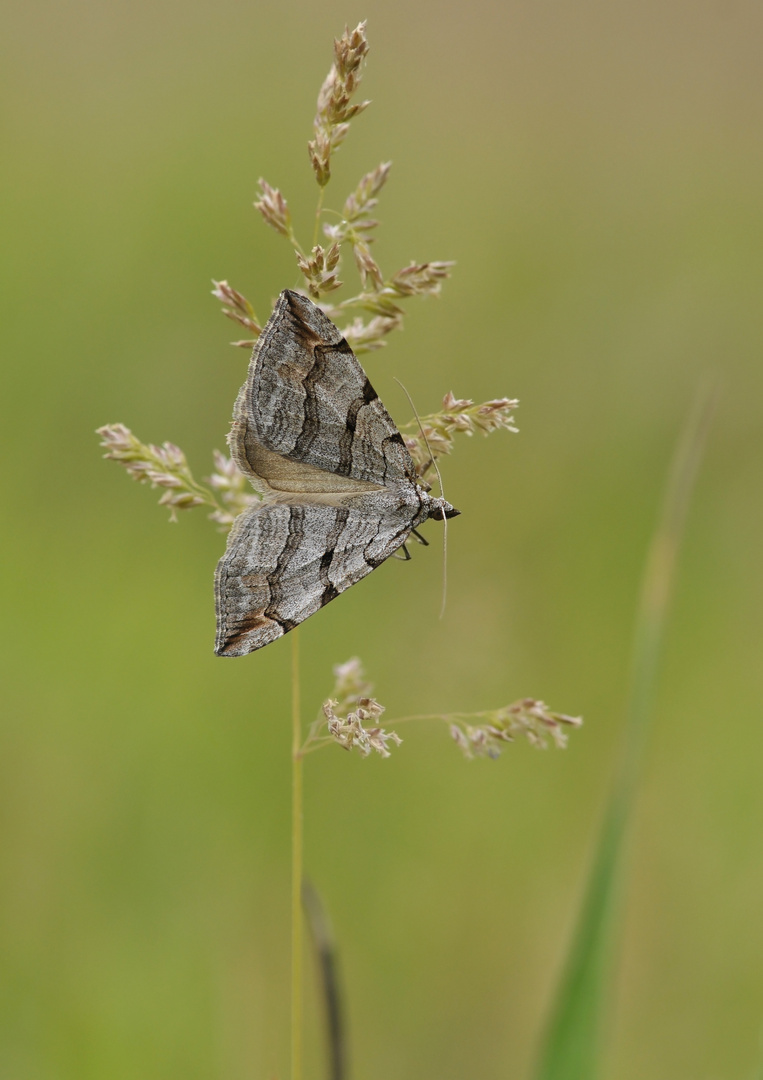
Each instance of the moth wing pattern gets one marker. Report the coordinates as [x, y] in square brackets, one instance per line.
[308, 400]
[285, 562]
[340, 489]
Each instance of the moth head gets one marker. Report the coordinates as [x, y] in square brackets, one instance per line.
[440, 509]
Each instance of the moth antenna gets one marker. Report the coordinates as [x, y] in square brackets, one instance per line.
[442, 495]
[423, 434]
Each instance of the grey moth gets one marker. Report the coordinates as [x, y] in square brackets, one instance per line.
[340, 492]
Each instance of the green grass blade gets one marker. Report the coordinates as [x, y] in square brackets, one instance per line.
[572, 1043]
[758, 1073]
[326, 956]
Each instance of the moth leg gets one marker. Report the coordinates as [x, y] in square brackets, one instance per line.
[403, 558]
[421, 539]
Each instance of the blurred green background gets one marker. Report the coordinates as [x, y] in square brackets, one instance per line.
[596, 169]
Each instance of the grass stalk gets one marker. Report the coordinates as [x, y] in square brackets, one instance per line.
[571, 1048]
[296, 864]
[318, 212]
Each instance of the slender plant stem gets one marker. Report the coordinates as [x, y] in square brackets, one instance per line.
[297, 247]
[318, 211]
[296, 865]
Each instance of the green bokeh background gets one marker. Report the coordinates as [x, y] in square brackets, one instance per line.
[596, 170]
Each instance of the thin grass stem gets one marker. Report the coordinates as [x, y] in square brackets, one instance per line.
[318, 212]
[296, 864]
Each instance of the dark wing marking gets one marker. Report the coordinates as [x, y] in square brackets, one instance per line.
[308, 399]
[283, 563]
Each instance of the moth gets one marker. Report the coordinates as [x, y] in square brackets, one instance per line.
[340, 492]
